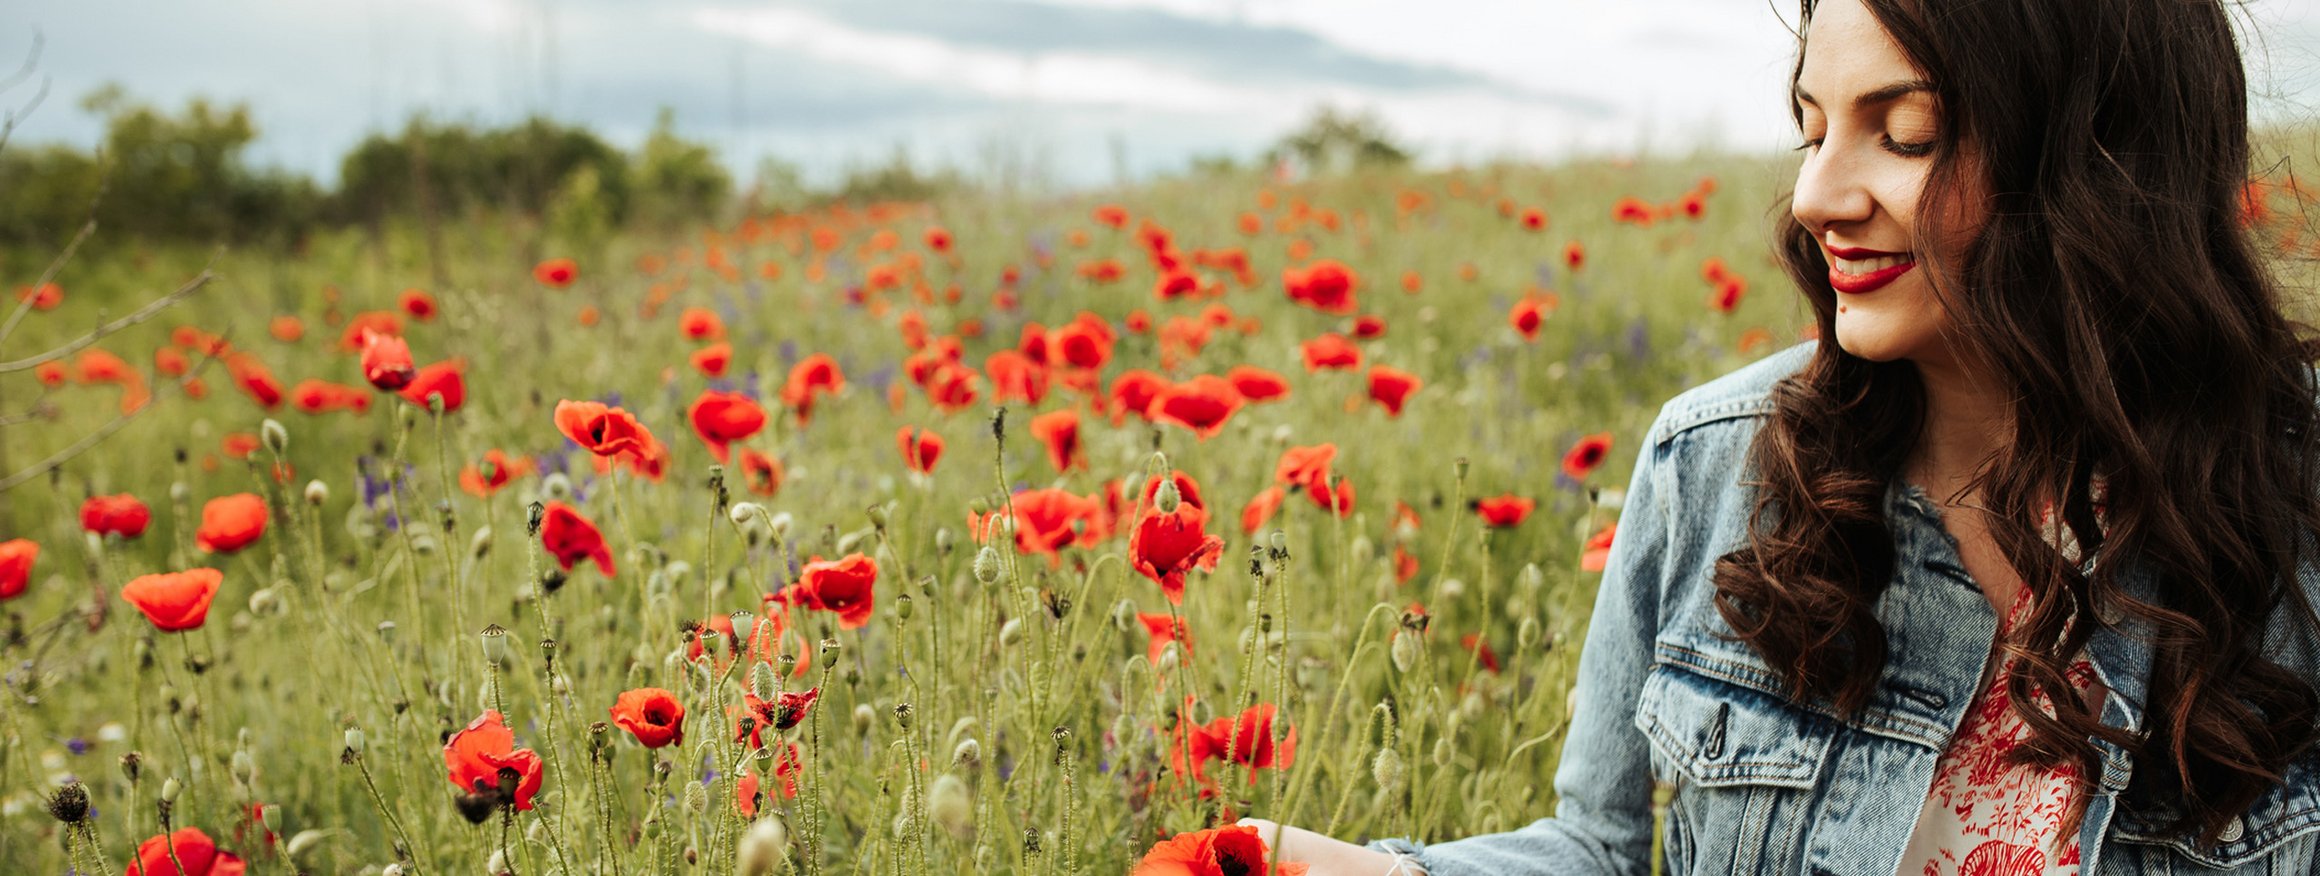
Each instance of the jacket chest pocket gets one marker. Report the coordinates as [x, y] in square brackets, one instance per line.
[2280, 834]
[1744, 763]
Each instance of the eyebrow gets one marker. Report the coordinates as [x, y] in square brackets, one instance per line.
[1875, 96]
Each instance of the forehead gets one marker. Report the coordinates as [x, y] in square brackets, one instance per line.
[1847, 51]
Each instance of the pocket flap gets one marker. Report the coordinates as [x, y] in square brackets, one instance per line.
[2285, 812]
[1724, 734]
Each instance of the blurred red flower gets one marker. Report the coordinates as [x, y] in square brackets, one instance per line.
[1504, 511]
[1201, 404]
[483, 760]
[160, 855]
[1330, 351]
[844, 587]
[16, 557]
[701, 324]
[1165, 545]
[174, 601]
[230, 523]
[569, 537]
[721, 418]
[556, 273]
[1586, 455]
[446, 378]
[419, 304]
[652, 715]
[1392, 387]
[922, 458]
[120, 514]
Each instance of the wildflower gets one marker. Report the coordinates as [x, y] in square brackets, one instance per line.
[485, 765]
[1165, 545]
[1059, 430]
[174, 601]
[1392, 387]
[701, 324]
[16, 556]
[1261, 508]
[1526, 317]
[1133, 393]
[1597, 552]
[287, 329]
[652, 715]
[570, 538]
[1201, 404]
[493, 473]
[817, 374]
[160, 855]
[46, 296]
[1504, 511]
[1727, 294]
[721, 418]
[446, 379]
[121, 514]
[419, 304]
[1330, 351]
[230, 523]
[51, 374]
[1013, 376]
[1574, 255]
[601, 429]
[920, 448]
[843, 586]
[1584, 456]
[760, 472]
[712, 359]
[1534, 219]
[1213, 852]
[1325, 285]
[256, 379]
[782, 712]
[1085, 343]
[1164, 629]
[556, 273]
[1044, 520]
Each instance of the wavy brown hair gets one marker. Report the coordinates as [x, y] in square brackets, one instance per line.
[2115, 293]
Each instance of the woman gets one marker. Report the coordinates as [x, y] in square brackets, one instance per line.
[2018, 225]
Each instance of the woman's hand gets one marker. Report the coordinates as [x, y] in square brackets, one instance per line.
[1329, 857]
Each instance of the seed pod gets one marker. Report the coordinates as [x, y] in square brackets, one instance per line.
[276, 438]
[902, 606]
[1388, 770]
[317, 492]
[70, 804]
[169, 789]
[762, 848]
[1405, 650]
[495, 648]
[354, 740]
[1011, 632]
[864, 717]
[968, 754]
[987, 565]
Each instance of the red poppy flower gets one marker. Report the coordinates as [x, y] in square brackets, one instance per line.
[1046, 520]
[254, 378]
[51, 374]
[446, 378]
[1113, 215]
[1534, 219]
[1257, 385]
[712, 359]
[1473, 642]
[160, 855]
[1526, 317]
[721, 418]
[845, 587]
[44, 297]
[701, 324]
[1014, 376]
[1597, 553]
[230, 523]
[760, 472]
[1164, 546]
[817, 374]
[119, 514]
[1574, 255]
[1304, 466]
[928, 451]
[568, 536]
[1392, 387]
[1326, 285]
[1340, 501]
[287, 329]
[1085, 343]
[483, 760]
[600, 429]
[556, 273]
[419, 304]
[652, 715]
[786, 710]
[1059, 430]
[1504, 511]
[174, 601]
[1633, 209]
[952, 387]
[1727, 294]
[1586, 455]
[1201, 404]
[1330, 351]
[1233, 849]
[95, 365]
[370, 322]
[171, 362]
[1261, 508]
[1164, 629]
[1250, 739]
[1133, 393]
[315, 396]
[16, 556]
[239, 445]
[495, 472]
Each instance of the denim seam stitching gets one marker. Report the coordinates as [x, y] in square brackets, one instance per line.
[1921, 732]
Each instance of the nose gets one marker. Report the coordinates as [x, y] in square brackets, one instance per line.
[1830, 189]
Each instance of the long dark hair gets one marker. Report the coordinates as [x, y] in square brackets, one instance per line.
[2115, 294]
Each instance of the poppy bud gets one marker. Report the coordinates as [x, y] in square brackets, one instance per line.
[780, 524]
[1460, 468]
[270, 815]
[274, 436]
[1443, 752]
[264, 602]
[1124, 616]
[556, 487]
[304, 843]
[987, 565]
[242, 767]
[942, 540]
[1405, 650]
[395, 869]
[1167, 498]
[479, 545]
[1387, 769]
[763, 682]
[1279, 541]
[1531, 579]
[968, 753]
[179, 492]
[132, 765]
[742, 512]
[877, 515]
[1169, 658]
[499, 862]
[317, 492]
[978, 506]
[169, 789]
[1011, 632]
[863, 718]
[1528, 634]
[762, 849]
[387, 631]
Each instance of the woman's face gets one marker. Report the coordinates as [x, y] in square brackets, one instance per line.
[1870, 127]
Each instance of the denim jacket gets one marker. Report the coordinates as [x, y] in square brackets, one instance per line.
[1767, 785]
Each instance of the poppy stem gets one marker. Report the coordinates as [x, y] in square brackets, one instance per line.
[381, 802]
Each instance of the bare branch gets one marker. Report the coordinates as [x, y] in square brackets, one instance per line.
[31, 61]
[149, 311]
[24, 305]
[59, 458]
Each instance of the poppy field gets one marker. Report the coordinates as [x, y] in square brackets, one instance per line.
[985, 535]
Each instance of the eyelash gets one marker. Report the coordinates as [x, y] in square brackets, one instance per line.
[1886, 142]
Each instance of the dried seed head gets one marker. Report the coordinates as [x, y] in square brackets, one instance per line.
[495, 647]
[70, 803]
[132, 766]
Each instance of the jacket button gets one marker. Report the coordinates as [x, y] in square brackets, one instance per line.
[2232, 832]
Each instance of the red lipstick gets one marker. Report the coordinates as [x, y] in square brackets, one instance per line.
[1860, 284]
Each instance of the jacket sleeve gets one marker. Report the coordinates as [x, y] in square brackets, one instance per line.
[1602, 823]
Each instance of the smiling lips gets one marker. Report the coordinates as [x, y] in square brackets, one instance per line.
[1855, 271]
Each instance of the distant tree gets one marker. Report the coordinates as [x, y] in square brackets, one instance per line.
[896, 180]
[676, 181]
[1333, 141]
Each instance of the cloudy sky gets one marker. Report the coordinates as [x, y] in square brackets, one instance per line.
[1084, 88]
